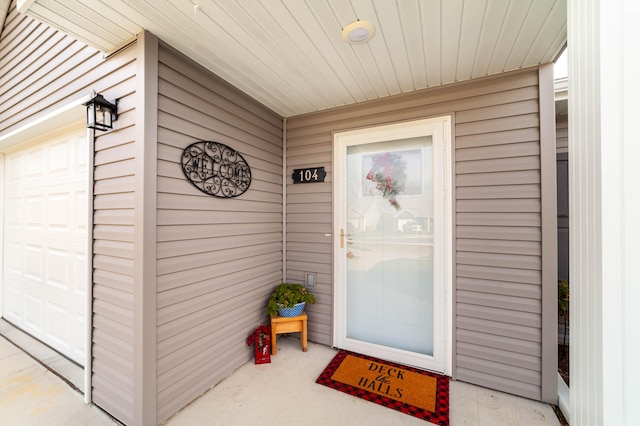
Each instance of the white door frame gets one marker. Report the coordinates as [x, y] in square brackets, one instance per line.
[439, 127]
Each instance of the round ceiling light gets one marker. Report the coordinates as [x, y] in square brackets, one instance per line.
[358, 32]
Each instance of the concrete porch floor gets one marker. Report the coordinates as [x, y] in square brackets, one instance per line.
[281, 393]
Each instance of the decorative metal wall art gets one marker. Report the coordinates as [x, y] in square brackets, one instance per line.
[216, 169]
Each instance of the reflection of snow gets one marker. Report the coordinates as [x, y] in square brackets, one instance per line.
[390, 297]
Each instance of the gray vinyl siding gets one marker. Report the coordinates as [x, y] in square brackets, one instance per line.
[218, 259]
[497, 258]
[113, 250]
[41, 70]
[562, 133]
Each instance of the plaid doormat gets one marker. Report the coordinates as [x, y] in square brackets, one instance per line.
[411, 391]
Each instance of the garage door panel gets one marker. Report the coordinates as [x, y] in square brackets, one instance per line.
[33, 263]
[82, 155]
[79, 286]
[78, 336]
[34, 161]
[13, 304]
[34, 208]
[59, 159]
[58, 208]
[58, 269]
[80, 209]
[13, 214]
[58, 321]
[13, 169]
[46, 222]
[13, 260]
[33, 314]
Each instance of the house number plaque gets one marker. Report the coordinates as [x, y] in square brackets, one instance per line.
[310, 175]
[216, 169]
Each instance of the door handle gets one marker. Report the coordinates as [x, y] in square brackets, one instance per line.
[342, 235]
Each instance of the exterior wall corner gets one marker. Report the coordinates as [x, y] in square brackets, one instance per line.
[549, 252]
[146, 153]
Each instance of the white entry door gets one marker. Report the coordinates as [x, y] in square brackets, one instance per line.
[45, 241]
[393, 233]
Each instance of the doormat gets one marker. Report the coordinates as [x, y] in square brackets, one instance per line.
[411, 391]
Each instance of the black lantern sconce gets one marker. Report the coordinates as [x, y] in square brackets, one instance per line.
[101, 113]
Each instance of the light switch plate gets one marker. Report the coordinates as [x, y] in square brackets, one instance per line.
[310, 279]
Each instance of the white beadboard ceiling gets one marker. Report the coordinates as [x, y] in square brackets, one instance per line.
[289, 54]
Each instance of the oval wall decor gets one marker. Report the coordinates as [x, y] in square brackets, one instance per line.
[216, 169]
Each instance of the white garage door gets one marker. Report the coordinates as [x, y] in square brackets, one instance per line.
[45, 241]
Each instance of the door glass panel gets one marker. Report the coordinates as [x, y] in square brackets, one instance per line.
[390, 244]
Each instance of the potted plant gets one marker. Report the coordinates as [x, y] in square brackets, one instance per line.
[288, 300]
[563, 307]
[563, 312]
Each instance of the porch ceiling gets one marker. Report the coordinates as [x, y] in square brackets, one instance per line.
[289, 54]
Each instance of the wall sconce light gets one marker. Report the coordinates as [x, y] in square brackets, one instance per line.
[101, 113]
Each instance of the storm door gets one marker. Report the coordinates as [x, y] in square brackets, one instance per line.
[392, 235]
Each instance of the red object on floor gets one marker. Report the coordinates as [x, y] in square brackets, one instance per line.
[263, 354]
[261, 339]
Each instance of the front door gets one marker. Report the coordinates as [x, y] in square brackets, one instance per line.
[393, 233]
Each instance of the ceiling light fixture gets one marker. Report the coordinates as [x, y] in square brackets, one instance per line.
[358, 32]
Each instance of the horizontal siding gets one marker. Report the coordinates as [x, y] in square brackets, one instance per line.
[484, 304]
[497, 218]
[475, 374]
[491, 343]
[532, 362]
[25, 87]
[495, 287]
[170, 233]
[476, 94]
[498, 246]
[511, 261]
[309, 219]
[499, 151]
[213, 270]
[217, 259]
[114, 296]
[562, 133]
[41, 70]
[531, 162]
[112, 376]
[494, 219]
[114, 254]
[497, 369]
[498, 297]
[505, 137]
